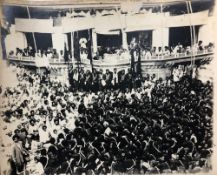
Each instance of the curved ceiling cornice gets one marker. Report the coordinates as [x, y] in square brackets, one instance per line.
[81, 3]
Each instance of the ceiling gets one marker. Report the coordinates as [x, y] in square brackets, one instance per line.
[91, 3]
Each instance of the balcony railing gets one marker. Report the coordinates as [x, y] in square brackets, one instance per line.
[56, 61]
[179, 55]
[33, 59]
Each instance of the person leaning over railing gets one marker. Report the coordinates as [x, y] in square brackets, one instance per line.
[148, 54]
[166, 51]
[159, 53]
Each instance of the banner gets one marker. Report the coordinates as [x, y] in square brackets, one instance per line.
[77, 24]
[42, 62]
[34, 25]
[107, 24]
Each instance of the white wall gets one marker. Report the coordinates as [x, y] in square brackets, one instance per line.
[15, 40]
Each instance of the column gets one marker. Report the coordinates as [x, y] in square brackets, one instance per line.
[160, 37]
[58, 42]
[124, 40]
[94, 39]
[66, 41]
[206, 33]
[72, 44]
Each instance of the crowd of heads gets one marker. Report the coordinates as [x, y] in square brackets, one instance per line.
[40, 53]
[175, 50]
[156, 126]
[28, 51]
[136, 48]
[135, 51]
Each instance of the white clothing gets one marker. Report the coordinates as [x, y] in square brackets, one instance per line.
[43, 136]
[39, 170]
[148, 55]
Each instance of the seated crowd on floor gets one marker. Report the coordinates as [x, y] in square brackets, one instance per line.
[155, 126]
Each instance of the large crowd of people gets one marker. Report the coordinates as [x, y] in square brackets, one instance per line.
[155, 126]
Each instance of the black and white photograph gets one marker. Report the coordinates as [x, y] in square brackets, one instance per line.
[107, 87]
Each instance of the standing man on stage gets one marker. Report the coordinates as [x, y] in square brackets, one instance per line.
[135, 56]
[115, 79]
[108, 80]
[95, 82]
